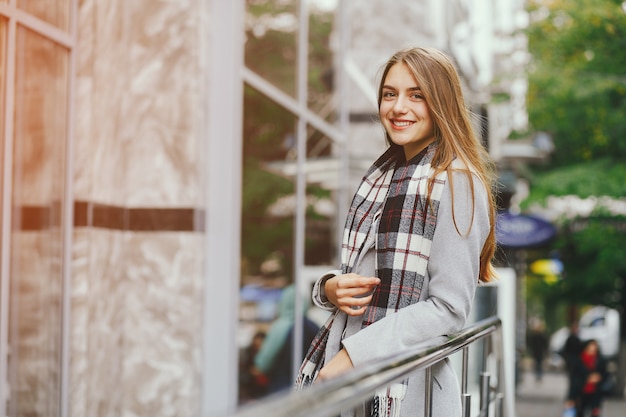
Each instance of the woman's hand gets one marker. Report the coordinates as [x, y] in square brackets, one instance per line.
[594, 378]
[337, 366]
[350, 293]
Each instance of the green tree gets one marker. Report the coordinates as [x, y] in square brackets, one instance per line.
[577, 86]
[601, 177]
[577, 78]
[594, 250]
[577, 90]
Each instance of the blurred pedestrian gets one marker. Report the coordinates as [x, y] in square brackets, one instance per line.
[252, 385]
[571, 354]
[573, 345]
[418, 238]
[589, 372]
[275, 357]
[538, 345]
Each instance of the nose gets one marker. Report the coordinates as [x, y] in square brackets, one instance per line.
[400, 105]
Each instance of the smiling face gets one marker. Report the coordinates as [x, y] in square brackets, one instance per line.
[404, 112]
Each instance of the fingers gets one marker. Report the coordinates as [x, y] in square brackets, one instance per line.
[351, 293]
[352, 285]
[352, 281]
[355, 306]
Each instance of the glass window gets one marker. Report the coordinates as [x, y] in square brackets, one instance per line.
[321, 74]
[267, 218]
[271, 41]
[55, 12]
[270, 189]
[597, 322]
[36, 277]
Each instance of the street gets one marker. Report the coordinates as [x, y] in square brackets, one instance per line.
[545, 398]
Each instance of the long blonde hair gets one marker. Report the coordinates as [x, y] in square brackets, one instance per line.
[441, 88]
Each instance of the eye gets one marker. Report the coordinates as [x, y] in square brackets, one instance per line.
[417, 96]
[388, 94]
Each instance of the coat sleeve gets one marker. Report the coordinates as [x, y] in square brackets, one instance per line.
[452, 276]
[319, 296]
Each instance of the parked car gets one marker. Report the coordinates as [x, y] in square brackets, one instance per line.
[603, 324]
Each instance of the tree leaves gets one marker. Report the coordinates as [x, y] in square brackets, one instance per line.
[577, 93]
[577, 81]
[601, 177]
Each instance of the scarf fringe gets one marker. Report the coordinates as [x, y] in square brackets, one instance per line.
[306, 376]
[391, 398]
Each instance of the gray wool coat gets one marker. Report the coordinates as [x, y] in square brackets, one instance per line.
[444, 305]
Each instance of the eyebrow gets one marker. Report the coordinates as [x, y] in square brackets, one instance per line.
[388, 87]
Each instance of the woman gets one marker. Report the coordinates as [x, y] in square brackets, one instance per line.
[588, 375]
[418, 237]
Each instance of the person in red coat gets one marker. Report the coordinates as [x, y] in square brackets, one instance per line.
[589, 373]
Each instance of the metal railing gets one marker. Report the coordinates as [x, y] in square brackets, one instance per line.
[327, 398]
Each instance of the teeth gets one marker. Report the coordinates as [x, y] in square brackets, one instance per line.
[401, 123]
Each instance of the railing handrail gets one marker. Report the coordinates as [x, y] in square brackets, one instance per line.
[326, 398]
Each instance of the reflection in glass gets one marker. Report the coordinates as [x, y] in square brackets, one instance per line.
[55, 12]
[39, 149]
[271, 50]
[271, 37]
[267, 220]
[320, 72]
[269, 130]
[270, 154]
[322, 171]
[269, 140]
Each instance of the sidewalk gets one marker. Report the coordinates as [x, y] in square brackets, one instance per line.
[545, 398]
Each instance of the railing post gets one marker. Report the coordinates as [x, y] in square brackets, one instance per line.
[466, 405]
[487, 349]
[466, 399]
[464, 370]
[499, 405]
[484, 394]
[428, 392]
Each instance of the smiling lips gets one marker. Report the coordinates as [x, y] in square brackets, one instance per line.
[401, 123]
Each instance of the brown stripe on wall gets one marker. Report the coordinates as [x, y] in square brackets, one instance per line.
[35, 218]
[135, 219]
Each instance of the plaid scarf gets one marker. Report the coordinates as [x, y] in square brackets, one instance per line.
[403, 242]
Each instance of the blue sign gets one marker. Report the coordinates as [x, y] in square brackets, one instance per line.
[522, 231]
